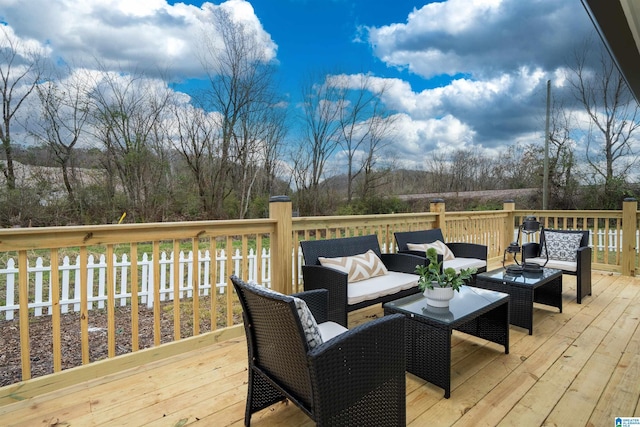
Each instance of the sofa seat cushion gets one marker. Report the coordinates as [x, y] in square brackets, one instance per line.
[330, 330]
[459, 263]
[558, 265]
[380, 286]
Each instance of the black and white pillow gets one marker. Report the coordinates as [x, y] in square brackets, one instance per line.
[308, 322]
[562, 246]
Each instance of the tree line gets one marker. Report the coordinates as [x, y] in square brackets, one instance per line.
[126, 143]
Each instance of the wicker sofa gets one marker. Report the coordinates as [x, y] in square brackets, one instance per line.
[465, 255]
[345, 295]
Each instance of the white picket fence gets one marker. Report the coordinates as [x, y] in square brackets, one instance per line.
[599, 241]
[39, 279]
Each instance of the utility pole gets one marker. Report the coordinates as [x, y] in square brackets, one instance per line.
[545, 178]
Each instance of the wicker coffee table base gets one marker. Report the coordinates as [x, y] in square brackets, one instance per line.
[428, 346]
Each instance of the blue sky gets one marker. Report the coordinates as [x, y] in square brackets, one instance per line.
[314, 35]
[462, 74]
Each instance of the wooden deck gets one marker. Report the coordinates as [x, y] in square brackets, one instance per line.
[579, 368]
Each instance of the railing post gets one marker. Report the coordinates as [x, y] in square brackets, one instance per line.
[438, 206]
[280, 247]
[509, 206]
[629, 224]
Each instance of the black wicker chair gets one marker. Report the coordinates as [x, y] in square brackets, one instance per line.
[355, 378]
[471, 251]
[316, 276]
[581, 268]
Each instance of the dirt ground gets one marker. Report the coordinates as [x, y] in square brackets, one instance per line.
[41, 342]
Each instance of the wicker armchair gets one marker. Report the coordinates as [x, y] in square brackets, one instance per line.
[580, 267]
[355, 378]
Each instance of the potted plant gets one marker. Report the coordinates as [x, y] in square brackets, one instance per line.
[438, 284]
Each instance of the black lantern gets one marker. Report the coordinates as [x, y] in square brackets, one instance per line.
[512, 250]
[530, 225]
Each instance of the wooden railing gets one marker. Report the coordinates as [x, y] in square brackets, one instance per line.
[52, 243]
[614, 235]
[280, 233]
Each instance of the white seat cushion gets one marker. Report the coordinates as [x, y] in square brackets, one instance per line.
[462, 263]
[558, 265]
[379, 286]
[329, 330]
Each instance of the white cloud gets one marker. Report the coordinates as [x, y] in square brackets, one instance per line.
[496, 54]
[479, 37]
[148, 35]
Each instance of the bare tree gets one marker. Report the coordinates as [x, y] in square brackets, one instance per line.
[65, 109]
[462, 170]
[613, 115]
[438, 172]
[241, 89]
[364, 123]
[273, 150]
[375, 165]
[192, 134]
[128, 111]
[563, 176]
[520, 166]
[256, 145]
[21, 68]
[321, 134]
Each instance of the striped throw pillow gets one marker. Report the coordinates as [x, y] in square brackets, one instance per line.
[357, 267]
[440, 247]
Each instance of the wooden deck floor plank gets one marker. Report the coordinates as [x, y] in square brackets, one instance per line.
[581, 397]
[421, 399]
[193, 405]
[586, 359]
[592, 308]
[473, 390]
[166, 398]
[193, 401]
[497, 391]
[622, 394]
[536, 405]
[136, 404]
[281, 415]
[104, 369]
[143, 381]
[499, 401]
[163, 380]
[466, 368]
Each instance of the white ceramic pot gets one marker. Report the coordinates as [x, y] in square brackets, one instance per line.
[439, 297]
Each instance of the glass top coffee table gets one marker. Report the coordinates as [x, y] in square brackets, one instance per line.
[544, 287]
[479, 312]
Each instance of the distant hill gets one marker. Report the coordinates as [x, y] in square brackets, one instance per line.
[482, 194]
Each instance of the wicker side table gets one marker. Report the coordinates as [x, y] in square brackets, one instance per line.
[525, 289]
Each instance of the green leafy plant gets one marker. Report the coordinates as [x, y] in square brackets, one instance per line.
[434, 274]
